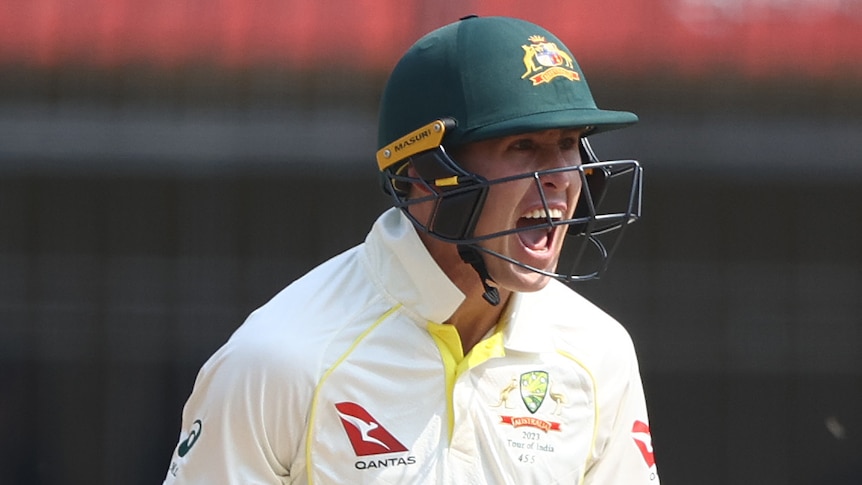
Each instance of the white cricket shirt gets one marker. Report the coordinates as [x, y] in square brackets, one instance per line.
[349, 376]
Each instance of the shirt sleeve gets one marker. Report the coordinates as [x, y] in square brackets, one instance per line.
[625, 454]
[238, 425]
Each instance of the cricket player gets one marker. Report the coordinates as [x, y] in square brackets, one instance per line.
[446, 348]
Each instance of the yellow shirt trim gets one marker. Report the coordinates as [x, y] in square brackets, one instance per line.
[595, 411]
[456, 363]
[309, 431]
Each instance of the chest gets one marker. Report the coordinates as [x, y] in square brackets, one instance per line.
[400, 414]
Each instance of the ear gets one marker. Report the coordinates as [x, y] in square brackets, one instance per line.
[416, 187]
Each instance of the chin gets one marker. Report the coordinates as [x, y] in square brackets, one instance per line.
[515, 278]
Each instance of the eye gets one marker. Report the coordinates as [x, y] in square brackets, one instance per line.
[569, 143]
[522, 144]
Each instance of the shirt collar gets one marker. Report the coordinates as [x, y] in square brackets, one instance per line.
[407, 272]
[526, 324]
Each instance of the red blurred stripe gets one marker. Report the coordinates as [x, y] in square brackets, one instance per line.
[696, 37]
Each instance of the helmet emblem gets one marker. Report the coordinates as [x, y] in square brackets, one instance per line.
[545, 61]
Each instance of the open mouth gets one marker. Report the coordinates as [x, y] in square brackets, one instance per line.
[538, 239]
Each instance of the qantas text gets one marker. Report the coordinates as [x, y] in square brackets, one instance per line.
[365, 465]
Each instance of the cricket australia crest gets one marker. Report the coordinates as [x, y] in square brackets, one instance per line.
[534, 388]
[545, 61]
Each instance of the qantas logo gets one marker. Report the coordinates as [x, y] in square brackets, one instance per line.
[641, 435]
[367, 436]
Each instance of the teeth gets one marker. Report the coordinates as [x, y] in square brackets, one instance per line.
[540, 214]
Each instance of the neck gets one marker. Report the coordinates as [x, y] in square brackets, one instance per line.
[476, 317]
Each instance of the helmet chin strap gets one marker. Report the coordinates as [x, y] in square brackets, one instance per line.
[472, 256]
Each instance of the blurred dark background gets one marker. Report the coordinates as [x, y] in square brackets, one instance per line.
[167, 166]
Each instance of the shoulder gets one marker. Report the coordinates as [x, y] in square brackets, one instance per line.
[583, 330]
[576, 316]
[282, 348]
[293, 328]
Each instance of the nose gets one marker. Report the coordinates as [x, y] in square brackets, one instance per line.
[559, 160]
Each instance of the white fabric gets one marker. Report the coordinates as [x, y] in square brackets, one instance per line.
[347, 349]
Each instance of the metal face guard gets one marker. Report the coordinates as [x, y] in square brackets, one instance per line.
[610, 200]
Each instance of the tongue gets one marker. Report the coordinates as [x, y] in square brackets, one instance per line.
[534, 239]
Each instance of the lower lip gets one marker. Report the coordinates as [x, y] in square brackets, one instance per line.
[544, 254]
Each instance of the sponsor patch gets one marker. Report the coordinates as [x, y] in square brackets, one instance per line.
[643, 440]
[366, 434]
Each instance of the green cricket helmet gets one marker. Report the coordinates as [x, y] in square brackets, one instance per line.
[489, 77]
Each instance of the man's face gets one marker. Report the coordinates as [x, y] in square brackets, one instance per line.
[518, 204]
